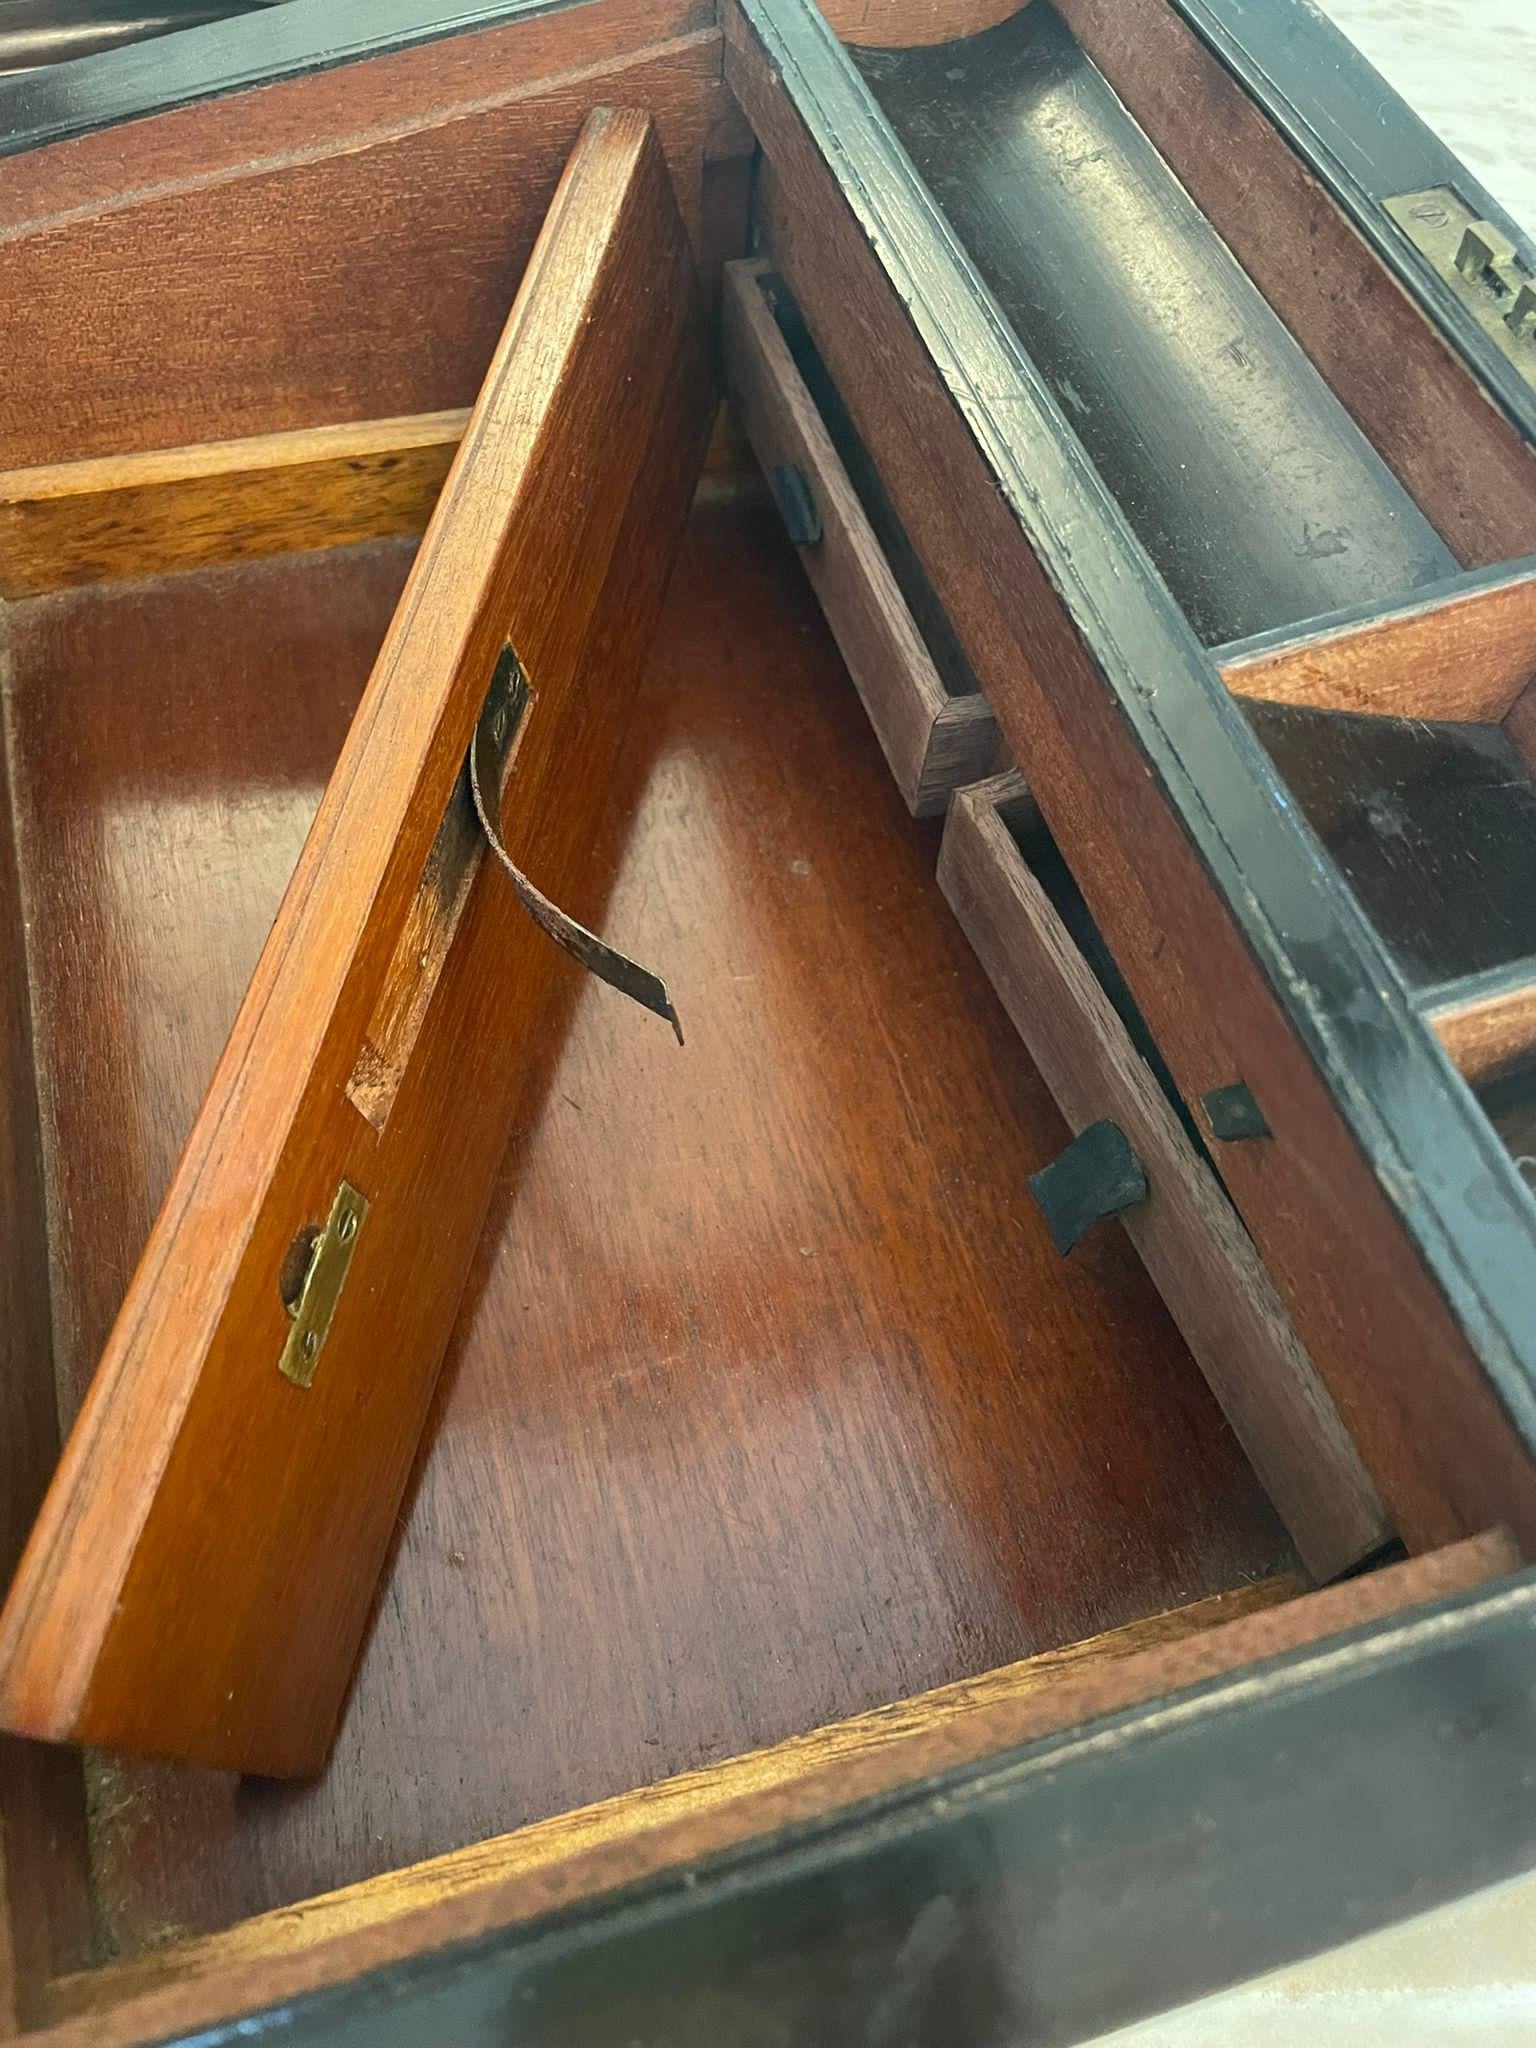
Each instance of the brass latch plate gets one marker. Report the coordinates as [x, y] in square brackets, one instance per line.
[1480, 264]
[330, 1261]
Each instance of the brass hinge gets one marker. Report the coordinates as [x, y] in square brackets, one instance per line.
[1481, 265]
[317, 1289]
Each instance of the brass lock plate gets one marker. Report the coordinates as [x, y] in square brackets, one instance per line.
[1481, 265]
[330, 1260]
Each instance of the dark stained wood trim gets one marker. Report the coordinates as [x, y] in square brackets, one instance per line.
[1392, 1221]
[1190, 1241]
[933, 742]
[1468, 465]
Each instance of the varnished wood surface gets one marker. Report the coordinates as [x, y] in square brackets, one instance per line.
[1489, 1034]
[993, 866]
[1254, 492]
[202, 1570]
[97, 521]
[1459, 655]
[467, 1871]
[770, 1402]
[1466, 465]
[902, 24]
[933, 741]
[337, 248]
[1415, 1398]
[1099, 1688]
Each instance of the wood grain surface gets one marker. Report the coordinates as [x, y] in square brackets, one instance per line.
[467, 1871]
[1489, 1036]
[190, 281]
[1468, 467]
[769, 1401]
[1415, 1399]
[904, 24]
[202, 1571]
[1187, 1233]
[1098, 1688]
[933, 741]
[1460, 655]
[167, 509]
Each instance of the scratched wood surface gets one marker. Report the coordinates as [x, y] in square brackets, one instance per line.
[1415, 1399]
[201, 1573]
[336, 248]
[1468, 468]
[463, 1873]
[617, 1854]
[769, 1401]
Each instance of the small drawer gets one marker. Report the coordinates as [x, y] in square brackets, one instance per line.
[934, 724]
[1017, 903]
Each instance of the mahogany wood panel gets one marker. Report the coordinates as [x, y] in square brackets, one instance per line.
[355, 263]
[1469, 469]
[1490, 1035]
[44, 1897]
[1465, 655]
[467, 1871]
[933, 741]
[769, 1401]
[1189, 1238]
[1520, 725]
[1411, 1393]
[221, 501]
[904, 24]
[1099, 1689]
[202, 1571]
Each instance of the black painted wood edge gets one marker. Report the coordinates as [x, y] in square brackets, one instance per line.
[1415, 604]
[1438, 1159]
[230, 56]
[1072, 1885]
[1366, 145]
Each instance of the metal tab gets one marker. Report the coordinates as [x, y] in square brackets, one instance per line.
[1480, 264]
[329, 1262]
[508, 695]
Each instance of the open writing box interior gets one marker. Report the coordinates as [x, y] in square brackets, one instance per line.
[480, 1406]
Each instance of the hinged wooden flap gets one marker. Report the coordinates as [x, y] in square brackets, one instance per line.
[201, 1574]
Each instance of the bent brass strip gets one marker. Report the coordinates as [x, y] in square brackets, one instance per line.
[605, 961]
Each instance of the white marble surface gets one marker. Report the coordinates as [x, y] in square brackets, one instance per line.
[1468, 68]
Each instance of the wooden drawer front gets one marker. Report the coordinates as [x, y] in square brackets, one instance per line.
[933, 740]
[1186, 1231]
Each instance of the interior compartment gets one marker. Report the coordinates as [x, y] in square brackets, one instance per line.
[770, 1401]
[905, 657]
[1255, 493]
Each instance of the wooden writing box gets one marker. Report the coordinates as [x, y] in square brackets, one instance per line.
[987, 1491]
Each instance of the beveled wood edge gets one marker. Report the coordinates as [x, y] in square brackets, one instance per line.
[1488, 1031]
[913, 24]
[464, 1872]
[1188, 1236]
[817, 1791]
[932, 741]
[103, 518]
[1465, 650]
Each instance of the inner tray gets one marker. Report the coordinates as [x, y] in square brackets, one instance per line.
[770, 1401]
[1256, 495]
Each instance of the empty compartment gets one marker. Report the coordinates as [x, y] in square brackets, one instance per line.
[935, 727]
[769, 1400]
[1255, 493]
